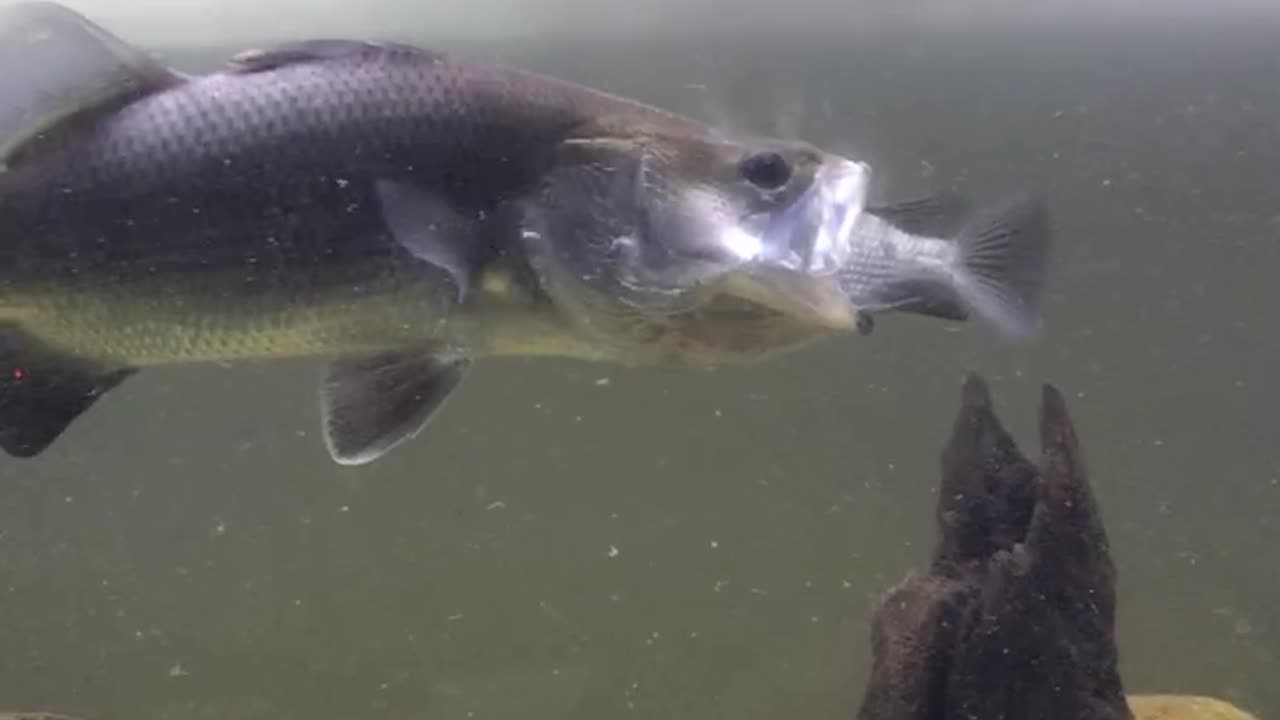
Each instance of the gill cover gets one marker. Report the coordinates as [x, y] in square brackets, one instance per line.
[593, 232]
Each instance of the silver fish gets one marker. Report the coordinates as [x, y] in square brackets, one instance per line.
[933, 256]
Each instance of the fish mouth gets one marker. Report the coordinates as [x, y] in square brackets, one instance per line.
[798, 254]
[815, 300]
[815, 234]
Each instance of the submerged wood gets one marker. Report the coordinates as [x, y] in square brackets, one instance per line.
[1015, 617]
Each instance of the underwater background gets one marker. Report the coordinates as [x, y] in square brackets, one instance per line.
[574, 540]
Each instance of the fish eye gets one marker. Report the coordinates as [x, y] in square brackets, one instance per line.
[766, 170]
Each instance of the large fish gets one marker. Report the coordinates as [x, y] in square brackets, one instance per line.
[397, 210]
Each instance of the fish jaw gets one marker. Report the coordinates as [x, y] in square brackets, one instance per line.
[816, 301]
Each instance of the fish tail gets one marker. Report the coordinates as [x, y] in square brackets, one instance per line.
[42, 392]
[1000, 264]
[60, 72]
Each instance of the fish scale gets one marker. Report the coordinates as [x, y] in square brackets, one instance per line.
[881, 254]
[382, 115]
[142, 326]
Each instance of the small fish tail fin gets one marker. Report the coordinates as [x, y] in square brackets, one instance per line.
[1001, 261]
[59, 67]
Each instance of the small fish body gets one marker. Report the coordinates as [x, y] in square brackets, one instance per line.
[397, 210]
[935, 257]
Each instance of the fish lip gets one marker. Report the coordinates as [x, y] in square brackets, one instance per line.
[811, 299]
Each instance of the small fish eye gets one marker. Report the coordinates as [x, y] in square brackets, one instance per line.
[767, 170]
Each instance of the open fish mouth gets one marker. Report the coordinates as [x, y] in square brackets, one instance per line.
[815, 235]
[798, 253]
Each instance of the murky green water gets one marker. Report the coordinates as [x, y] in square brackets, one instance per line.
[579, 541]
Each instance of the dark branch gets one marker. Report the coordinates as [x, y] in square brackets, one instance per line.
[1016, 617]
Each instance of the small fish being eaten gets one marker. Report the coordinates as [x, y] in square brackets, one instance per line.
[403, 212]
[934, 257]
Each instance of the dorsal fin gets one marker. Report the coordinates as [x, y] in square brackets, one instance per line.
[57, 65]
[931, 216]
[316, 50]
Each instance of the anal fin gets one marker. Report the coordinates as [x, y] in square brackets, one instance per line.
[926, 298]
[42, 393]
[371, 404]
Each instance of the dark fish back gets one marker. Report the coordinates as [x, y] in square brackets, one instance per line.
[271, 163]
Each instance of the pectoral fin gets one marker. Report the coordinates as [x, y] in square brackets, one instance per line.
[371, 404]
[925, 297]
[431, 229]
